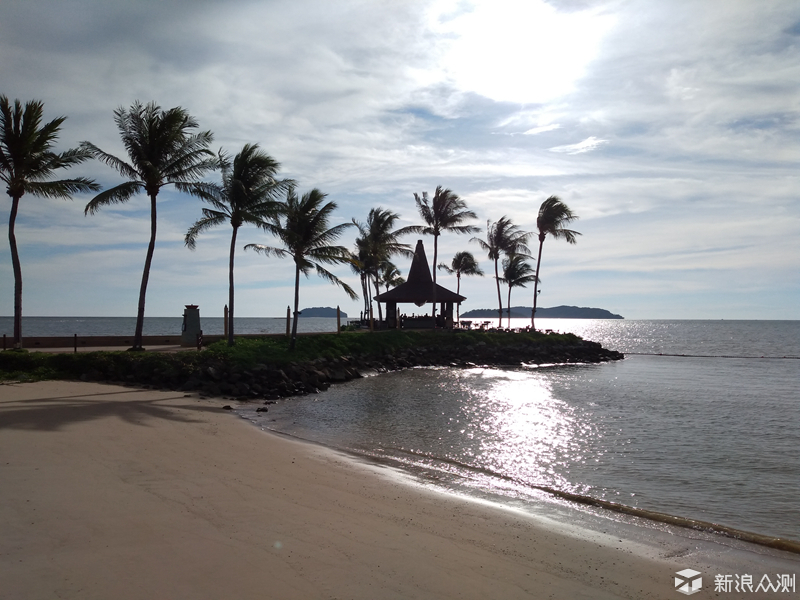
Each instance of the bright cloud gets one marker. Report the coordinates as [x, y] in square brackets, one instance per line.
[522, 51]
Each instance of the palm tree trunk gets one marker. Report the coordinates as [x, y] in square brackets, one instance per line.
[365, 290]
[12, 241]
[293, 341]
[369, 314]
[230, 288]
[508, 308]
[137, 336]
[435, 257]
[458, 305]
[499, 298]
[536, 282]
[380, 310]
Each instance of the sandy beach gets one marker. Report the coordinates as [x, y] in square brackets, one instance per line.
[116, 492]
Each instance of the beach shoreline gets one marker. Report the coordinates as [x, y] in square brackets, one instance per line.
[120, 492]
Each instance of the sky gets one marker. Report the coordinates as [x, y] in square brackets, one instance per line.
[669, 128]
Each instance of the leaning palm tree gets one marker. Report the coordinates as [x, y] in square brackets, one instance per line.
[27, 162]
[162, 151]
[502, 237]
[248, 194]
[517, 272]
[302, 227]
[463, 263]
[444, 212]
[377, 242]
[553, 216]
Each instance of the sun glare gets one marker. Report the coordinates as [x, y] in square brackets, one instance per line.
[517, 50]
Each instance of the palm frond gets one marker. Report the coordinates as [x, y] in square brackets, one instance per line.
[210, 219]
[63, 188]
[116, 195]
[268, 250]
[112, 161]
[330, 277]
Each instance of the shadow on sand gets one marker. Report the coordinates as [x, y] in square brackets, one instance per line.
[136, 407]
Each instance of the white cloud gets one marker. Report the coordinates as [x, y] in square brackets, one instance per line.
[587, 145]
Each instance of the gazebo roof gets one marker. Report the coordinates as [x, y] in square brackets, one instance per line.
[419, 286]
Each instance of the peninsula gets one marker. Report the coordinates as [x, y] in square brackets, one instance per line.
[557, 312]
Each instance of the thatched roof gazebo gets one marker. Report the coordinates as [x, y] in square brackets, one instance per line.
[419, 289]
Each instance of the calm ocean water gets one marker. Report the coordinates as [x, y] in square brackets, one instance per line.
[712, 435]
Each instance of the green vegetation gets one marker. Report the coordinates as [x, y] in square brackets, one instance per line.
[273, 351]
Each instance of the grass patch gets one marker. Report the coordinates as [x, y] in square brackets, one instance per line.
[247, 352]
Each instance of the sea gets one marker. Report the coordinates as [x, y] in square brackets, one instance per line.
[701, 420]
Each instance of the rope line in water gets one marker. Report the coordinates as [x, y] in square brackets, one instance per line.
[714, 356]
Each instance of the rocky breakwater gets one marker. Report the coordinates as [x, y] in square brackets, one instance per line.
[270, 382]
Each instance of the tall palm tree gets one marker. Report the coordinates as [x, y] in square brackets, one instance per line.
[463, 263]
[377, 242]
[554, 215]
[302, 227]
[27, 162]
[444, 212]
[162, 151]
[502, 237]
[517, 272]
[248, 194]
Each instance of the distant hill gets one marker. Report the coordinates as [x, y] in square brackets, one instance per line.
[557, 312]
[321, 311]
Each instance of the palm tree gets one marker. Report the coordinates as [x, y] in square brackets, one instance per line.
[463, 263]
[390, 275]
[377, 242]
[502, 237]
[27, 162]
[553, 216]
[162, 151]
[247, 195]
[517, 272]
[445, 212]
[302, 227]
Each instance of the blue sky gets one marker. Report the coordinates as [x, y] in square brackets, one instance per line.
[670, 128]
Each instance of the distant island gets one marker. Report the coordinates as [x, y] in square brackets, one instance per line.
[557, 312]
[321, 311]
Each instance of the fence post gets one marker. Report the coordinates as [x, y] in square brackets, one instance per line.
[75, 343]
[338, 320]
[200, 340]
[288, 318]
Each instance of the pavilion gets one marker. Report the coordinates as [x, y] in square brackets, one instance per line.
[419, 289]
